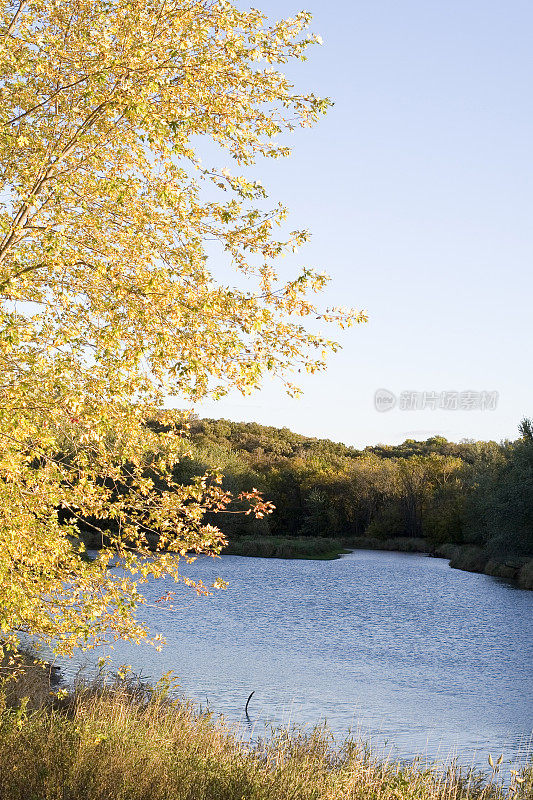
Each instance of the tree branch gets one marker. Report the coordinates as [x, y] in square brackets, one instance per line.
[13, 22]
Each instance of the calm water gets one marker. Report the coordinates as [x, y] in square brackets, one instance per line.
[397, 646]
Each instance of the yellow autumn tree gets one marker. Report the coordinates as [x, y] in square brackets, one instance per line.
[109, 304]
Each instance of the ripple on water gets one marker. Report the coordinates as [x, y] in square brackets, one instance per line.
[396, 645]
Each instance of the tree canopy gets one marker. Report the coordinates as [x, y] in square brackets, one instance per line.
[472, 495]
[109, 302]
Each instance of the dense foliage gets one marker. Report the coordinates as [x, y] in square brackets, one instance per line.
[467, 493]
[108, 299]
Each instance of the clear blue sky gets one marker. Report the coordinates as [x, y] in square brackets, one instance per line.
[418, 190]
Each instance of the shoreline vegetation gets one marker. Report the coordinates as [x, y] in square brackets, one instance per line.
[467, 558]
[131, 741]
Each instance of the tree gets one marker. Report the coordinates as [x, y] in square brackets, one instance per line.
[499, 510]
[108, 301]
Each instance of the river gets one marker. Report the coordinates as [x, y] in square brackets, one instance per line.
[422, 658]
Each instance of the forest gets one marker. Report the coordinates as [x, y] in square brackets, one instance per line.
[470, 501]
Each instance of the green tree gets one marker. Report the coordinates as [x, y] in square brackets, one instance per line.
[499, 513]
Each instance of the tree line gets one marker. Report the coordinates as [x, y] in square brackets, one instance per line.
[468, 493]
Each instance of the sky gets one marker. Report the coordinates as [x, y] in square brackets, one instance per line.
[418, 191]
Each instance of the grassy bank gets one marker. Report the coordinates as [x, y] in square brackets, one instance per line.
[135, 745]
[286, 547]
[318, 547]
[477, 559]
[465, 557]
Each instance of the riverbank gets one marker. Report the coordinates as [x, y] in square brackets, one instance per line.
[465, 557]
[475, 559]
[130, 742]
[301, 547]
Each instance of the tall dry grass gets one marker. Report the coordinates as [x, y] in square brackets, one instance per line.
[124, 743]
[24, 675]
